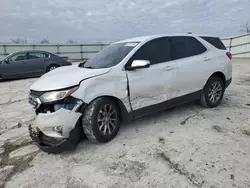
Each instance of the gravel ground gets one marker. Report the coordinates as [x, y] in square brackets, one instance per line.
[186, 146]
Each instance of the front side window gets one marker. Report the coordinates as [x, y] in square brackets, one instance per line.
[18, 57]
[156, 51]
[110, 56]
[185, 46]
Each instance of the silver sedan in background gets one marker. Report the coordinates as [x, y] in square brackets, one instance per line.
[30, 63]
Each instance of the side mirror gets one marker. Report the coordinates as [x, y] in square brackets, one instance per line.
[139, 64]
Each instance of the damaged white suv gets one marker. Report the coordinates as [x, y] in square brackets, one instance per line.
[127, 80]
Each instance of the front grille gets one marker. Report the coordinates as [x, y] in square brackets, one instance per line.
[36, 94]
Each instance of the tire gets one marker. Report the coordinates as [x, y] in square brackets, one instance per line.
[213, 92]
[51, 67]
[97, 126]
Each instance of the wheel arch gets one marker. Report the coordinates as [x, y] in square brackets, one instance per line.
[50, 65]
[220, 75]
[124, 114]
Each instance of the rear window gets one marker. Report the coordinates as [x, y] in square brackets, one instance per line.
[216, 42]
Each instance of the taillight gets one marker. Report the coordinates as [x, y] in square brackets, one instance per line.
[66, 59]
[229, 55]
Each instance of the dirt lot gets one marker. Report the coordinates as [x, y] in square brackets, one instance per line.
[187, 146]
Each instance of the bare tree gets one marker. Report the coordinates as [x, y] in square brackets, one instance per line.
[45, 41]
[71, 41]
[245, 28]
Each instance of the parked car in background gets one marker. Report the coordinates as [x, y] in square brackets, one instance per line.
[127, 80]
[30, 64]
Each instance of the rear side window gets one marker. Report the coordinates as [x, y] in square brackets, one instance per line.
[36, 55]
[216, 42]
[185, 47]
[156, 51]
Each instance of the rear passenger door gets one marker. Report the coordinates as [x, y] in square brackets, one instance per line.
[191, 57]
[151, 86]
[36, 62]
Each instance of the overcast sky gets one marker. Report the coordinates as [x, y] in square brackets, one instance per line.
[111, 20]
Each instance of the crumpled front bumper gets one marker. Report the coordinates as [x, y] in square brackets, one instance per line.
[44, 134]
[64, 118]
[55, 145]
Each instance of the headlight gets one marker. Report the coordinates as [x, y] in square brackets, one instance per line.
[57, 95]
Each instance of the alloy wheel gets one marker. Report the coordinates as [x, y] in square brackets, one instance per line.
[107, 119]
[215, 92]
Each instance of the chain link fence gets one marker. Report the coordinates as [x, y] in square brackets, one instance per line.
[73, 51]
[239, 46]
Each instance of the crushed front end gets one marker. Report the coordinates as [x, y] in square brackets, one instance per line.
[57, 126]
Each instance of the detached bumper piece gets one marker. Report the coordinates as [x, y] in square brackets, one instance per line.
[54, 145]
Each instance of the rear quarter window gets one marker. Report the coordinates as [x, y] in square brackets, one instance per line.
[215, 41]
[53, 55]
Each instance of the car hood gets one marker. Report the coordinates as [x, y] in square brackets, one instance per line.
[64, 77]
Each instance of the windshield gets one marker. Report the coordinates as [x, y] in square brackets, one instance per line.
[5, 57]
[110, 55]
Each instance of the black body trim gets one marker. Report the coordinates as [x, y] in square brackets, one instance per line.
[228, 82]
[125, 115]
[167, 104]
[51, 145]
[82, 107]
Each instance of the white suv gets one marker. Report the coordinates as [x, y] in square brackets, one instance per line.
[127, 80]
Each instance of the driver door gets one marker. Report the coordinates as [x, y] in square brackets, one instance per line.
[15, 66]
[151, 87]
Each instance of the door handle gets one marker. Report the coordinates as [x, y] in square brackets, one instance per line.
[206, 58]
[167, 68]
[23, 62]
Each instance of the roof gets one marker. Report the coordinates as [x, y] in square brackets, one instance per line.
[149, 37]
[32, 51]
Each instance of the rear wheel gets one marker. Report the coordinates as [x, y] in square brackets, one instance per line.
[52, 67]
[101, 120]
[213, 92]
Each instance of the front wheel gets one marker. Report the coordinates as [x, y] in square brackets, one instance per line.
[213, 92]
[101, 120]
